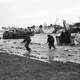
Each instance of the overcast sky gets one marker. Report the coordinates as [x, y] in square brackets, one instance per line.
[29, 12]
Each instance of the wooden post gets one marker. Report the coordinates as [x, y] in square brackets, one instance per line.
[64, 24]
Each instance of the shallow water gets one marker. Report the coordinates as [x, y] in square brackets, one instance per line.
[41, 51]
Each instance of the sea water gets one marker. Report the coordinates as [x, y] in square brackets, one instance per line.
[40, 50]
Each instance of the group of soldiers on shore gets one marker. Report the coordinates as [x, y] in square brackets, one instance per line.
[50, 41]
[64, 38]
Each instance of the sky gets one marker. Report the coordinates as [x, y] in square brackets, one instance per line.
[36, 12]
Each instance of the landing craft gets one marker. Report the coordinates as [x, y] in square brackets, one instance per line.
[16, 34]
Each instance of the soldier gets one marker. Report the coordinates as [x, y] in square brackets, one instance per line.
[27, 41]
[50, 41]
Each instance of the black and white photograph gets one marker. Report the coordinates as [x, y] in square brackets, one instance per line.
[39, 39]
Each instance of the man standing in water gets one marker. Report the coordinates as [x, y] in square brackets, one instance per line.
[50, 41]
[27, 41]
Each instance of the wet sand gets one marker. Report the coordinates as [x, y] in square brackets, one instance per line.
[13, 67]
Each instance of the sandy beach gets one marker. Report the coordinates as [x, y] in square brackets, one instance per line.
[13, 67]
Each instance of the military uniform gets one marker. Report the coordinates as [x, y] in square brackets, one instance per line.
[50, 41]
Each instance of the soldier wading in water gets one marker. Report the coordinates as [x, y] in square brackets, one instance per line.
[50, 41]
[27, 41]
